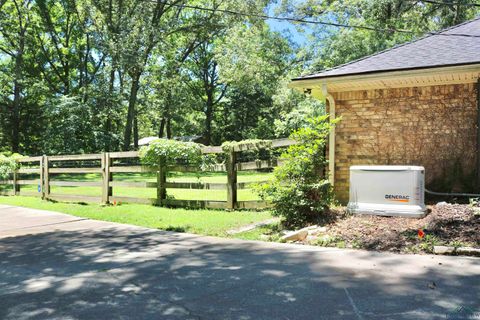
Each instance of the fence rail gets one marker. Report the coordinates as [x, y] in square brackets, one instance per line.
[106, 165]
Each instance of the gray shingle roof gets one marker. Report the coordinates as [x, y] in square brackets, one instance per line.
[448, 47]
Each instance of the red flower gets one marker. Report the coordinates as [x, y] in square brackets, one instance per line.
[421, 234]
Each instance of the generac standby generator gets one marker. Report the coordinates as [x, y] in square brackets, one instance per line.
[387, 190]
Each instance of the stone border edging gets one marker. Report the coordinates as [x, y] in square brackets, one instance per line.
[464, 251]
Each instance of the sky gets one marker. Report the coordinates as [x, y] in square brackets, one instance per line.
[285, 27]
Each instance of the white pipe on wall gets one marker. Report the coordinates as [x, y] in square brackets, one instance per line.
[331, 140]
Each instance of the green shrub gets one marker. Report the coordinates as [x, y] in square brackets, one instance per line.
[8, 164]
[300, 192]
[175, 152]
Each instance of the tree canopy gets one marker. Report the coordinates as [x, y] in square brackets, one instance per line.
[98, 75]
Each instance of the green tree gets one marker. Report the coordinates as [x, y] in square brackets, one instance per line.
[295, 109]
[206, 85]
[252, 60]
[15, 27]
[332, 46]
[72, 131]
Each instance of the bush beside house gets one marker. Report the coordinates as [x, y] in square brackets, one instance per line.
[300, 191]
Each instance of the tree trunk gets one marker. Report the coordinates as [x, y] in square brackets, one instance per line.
[67, 58]
[85, 69]
[17, 94]
[108, 120]
[169, 128]
[208, 122]
[127, 138]
[165, 122]
[161, 130]
[135, 131]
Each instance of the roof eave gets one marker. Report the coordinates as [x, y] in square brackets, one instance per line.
[319, 83]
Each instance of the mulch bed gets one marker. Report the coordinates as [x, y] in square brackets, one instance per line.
[446, 224]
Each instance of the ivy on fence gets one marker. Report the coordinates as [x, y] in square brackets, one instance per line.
[8, 164]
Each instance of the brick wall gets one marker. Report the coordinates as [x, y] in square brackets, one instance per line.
[430, 126]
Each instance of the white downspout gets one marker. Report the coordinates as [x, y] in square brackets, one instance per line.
[331, 141]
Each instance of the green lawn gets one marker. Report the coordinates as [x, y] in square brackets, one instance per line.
[183, 194]
[205, 222]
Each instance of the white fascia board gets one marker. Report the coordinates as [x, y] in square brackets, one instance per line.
[380, 76]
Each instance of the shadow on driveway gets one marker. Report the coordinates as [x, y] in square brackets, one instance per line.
[136, 273]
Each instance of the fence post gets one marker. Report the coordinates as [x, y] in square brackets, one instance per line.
[107, 190]
[16, 186]
[161, 181]
[42, 177]
[46, 177]
[231, 180]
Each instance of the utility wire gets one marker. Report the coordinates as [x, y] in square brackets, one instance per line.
[449, 3]
[308, 21]
[289, 19]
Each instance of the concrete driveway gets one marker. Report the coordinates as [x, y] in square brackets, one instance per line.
[55, 266]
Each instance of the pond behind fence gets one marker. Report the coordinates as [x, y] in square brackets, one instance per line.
[115, 177]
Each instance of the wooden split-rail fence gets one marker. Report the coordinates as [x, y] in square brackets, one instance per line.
[46, 166]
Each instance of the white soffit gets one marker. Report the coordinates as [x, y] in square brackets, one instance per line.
[395, 79]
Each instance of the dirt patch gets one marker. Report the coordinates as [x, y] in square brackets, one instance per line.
[446, 224]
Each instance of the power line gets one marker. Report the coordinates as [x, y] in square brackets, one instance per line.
[315, 22]
[289, 19]
[449, 3]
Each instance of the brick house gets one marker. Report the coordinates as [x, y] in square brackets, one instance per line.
[416, 103]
